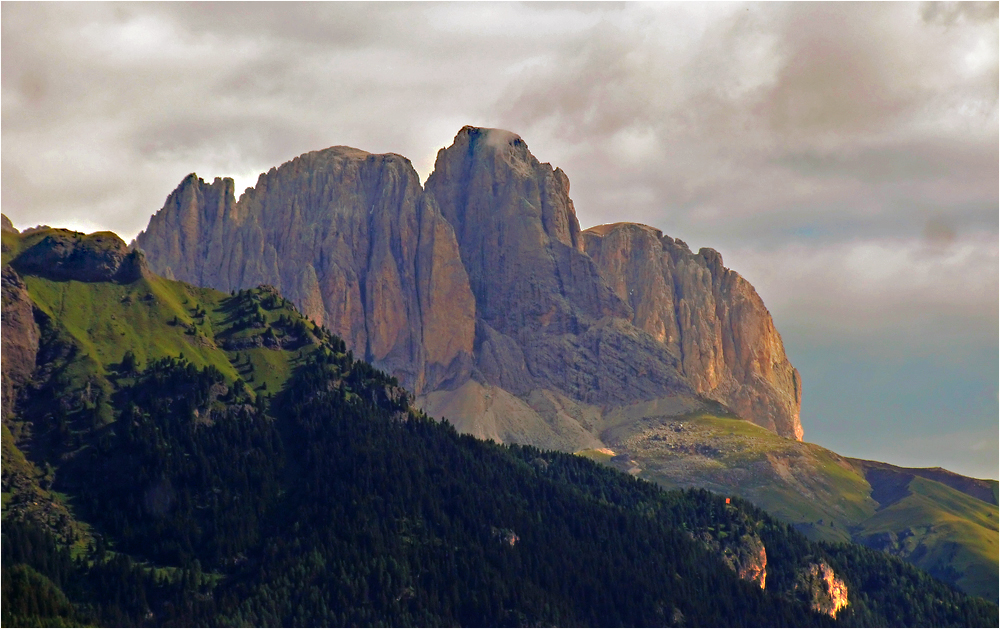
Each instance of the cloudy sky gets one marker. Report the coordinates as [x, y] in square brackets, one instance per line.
[842, 157]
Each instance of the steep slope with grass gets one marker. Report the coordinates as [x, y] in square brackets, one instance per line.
[938, 527]
[218, 459]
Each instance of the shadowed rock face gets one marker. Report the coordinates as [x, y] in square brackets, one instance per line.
[20, 338]
[485, 274]
[707, 315]
[351, 238]
[99, 257]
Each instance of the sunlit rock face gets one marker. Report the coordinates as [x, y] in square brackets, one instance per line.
[540, 299]
[484, 274]
[705, 314]
[824, 590]
[351, 238]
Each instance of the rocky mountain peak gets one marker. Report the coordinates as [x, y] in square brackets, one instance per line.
[6, 225]
[351, 238]
[484, 273]
[499, 162]
[707, 315]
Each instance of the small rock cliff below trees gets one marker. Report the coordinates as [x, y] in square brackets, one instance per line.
[825, 592]
[485, 275]
[745, 555]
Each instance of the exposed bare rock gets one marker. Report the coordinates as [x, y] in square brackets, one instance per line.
[65, 255]
[20, 338]
[547, 319]
[545, 419]
[484, 274]
[519, 236]
[351, 238]
[707, 315]
[746, 555]
[825, 592]
[6, 225]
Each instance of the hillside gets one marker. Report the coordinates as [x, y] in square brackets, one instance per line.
[939, 527]
[183, 456]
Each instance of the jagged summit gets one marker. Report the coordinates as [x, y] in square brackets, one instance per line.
[484, 276]
[493, 138]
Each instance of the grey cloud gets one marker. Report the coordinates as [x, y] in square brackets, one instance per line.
[948, 13]
[771, 116]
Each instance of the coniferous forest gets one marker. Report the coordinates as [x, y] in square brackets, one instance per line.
[332, 501]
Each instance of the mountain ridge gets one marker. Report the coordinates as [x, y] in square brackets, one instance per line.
[523, 305]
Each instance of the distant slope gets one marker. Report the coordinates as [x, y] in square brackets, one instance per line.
[827, 497]
[983, 489]
[948, 533]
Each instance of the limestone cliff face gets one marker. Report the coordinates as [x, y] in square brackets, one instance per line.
[351, 238]
[518, 235]
[707, 315]
[484, 274]
[546, 317]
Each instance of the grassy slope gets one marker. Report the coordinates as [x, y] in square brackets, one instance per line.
[106, 320]
[826, 496]
[798, 482]
[153, 318]
[942, 530]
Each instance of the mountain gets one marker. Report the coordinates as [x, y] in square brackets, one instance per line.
[178, 455]
[482, 289]
[482, 295]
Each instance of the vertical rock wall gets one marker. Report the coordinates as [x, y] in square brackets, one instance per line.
[348, 236]
[483, 274]
[706, 314]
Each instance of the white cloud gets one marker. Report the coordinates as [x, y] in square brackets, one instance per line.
[869, 286]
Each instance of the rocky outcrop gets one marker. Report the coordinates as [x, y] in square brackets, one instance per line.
[20, 338]
[825, 592]
[707, 315]
[745, 555]
[351, 238]
[484, 274]
[63, 255]
[546, 317]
